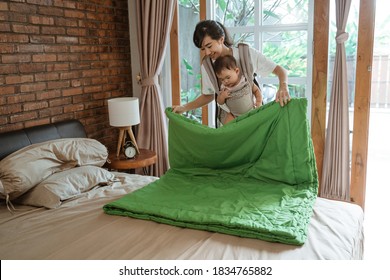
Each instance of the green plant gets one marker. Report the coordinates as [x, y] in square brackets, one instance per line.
[289, 51]
[191, 93]
[193, 4]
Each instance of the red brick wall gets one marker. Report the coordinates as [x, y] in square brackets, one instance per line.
[62, 60]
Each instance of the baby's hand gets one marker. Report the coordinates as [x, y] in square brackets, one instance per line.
[259, 101]
[222, 96]
[225, 94]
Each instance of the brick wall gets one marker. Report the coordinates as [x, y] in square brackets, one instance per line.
[62, 60]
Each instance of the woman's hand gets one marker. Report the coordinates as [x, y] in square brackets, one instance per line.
[178, 109]
[282, 95]
[200, 101]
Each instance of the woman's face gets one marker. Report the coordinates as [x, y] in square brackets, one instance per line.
[212, 48]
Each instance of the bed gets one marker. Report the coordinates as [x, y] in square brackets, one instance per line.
[77, 227]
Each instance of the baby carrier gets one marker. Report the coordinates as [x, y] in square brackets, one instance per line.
[245, 66]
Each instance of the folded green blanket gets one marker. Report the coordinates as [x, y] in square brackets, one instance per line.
[254, 177]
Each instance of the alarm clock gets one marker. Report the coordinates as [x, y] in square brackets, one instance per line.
[129, 150]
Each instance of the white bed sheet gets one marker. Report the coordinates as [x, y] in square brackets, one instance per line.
[79, 229]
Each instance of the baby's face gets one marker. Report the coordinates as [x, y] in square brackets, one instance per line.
[229, 77]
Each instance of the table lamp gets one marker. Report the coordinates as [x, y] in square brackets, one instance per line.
[123, 112]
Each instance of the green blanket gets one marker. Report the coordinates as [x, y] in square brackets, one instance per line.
[254, 177]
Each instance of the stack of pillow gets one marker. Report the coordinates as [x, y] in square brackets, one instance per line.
[48, 173]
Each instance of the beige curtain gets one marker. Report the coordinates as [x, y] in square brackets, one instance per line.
[154, 19]
[335, 173]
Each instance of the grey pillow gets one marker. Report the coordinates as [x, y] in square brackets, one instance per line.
[27, 167]
[65, 185]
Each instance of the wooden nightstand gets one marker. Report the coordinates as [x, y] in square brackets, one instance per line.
[142, 160]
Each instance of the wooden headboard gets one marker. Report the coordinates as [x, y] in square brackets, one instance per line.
[14, 140]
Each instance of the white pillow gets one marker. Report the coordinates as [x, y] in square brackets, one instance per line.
[30, 165]
[66, 185]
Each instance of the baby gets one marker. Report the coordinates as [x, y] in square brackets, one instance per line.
[236, 92]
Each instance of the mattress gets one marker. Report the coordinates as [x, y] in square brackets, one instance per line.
[79, 229]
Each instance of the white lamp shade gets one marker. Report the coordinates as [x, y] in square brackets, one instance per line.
[123, 111]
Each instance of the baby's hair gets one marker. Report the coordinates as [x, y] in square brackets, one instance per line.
[225, 62]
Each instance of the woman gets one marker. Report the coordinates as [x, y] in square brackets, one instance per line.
[214, 41]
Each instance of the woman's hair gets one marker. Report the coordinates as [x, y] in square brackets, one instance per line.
[211, 28]
[224, 62]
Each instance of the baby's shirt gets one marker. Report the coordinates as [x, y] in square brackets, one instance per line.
[240, 98]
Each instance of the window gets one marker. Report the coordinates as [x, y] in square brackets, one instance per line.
[190, 77]
[282, 30]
